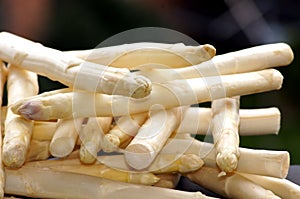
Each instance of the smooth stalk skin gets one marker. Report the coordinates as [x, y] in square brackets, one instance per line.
[261, 121]
[137, 54]
[121, 134]
[38, 150]
[232, 186]
[65, 137]
[225, 127]
[46, 183]
[252, 161]
[242, 61]
[102, 171]
[168, 180]
[168, 94]
[91, 136]
[70, 70]
[150, 138]
[3, 75]
[18, 130]
[281, 187]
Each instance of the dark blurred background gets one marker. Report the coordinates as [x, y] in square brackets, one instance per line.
[228, 25]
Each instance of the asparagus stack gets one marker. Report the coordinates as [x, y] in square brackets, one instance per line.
[146, 117]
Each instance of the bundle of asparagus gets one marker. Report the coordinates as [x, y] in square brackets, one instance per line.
[52, 141]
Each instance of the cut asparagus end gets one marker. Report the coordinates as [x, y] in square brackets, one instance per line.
[227, 160]
[139, 156]
[14, 156]
[62, 147]
[88, 154]
[110, 143]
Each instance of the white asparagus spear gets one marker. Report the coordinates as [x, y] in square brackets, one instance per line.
[261, 121]
[168, 180]
[16, 142]
[91, 136]
[252, 121]
[225, 126]
[253, 161]
[125, 129]
[231, 186]
[69, 70]
[281, 187]
[42, 183]
[65, 137]
[168, 94]
[150, 138]
[3, 76]
[246, 60]
[136, 54]
[98, 170]
[38, 150]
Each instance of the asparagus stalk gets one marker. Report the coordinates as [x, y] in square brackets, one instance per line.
[253, 161]
[168, 180]
[70, 70]
[150, 138]
[225, 122]
[3, 75]
[246, 60]
[124, 130]
[102, 171]
[136, 54]
[261, 121]
[91, 138]
[178, 93]
[45, 183]
[65, 137]
[281, 187]
[231, 186]
[38, 150]
[43, 131]
[18, 130]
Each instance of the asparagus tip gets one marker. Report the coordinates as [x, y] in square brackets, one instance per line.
[144, 87]
[110, 143]
[31, 110]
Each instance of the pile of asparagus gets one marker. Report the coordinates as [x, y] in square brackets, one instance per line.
[136, 100]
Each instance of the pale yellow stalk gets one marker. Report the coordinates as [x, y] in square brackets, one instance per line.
[197, 120]
[137, 54]
[225, 127]
[168, 94]
[168, 180]
[150, 138]
[230, 186]
[253, 161]
[91, 136]
[260, 121]
[43, 131]
[125, 129]
[18, 130]
[38, 150]
[46, 183]
[70, 70]
[65, 137]
[281, 187]
[246, 60]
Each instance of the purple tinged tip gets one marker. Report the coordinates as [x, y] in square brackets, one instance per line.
[31, 110]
